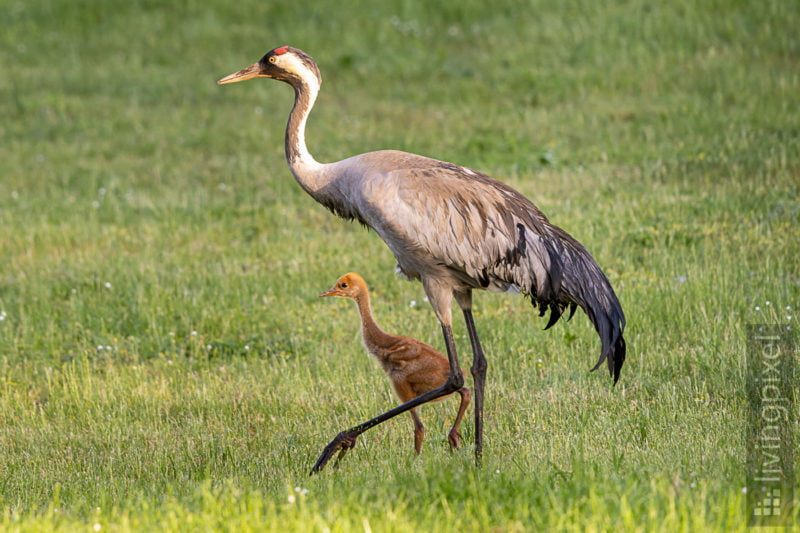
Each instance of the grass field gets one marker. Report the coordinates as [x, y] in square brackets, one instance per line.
[165, 363]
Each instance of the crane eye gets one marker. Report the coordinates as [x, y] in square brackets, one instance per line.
[271, 59]
[343, 285]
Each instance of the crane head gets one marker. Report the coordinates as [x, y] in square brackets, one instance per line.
[348, 286]
[284, 63]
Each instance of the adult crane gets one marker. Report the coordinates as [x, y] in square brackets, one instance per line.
[454, 229]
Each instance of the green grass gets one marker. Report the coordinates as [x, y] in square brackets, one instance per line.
[165, 363]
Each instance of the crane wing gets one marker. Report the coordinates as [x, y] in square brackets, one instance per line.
[439, 218]
[482, 231]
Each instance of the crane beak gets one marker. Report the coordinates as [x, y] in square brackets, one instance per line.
[253, 71]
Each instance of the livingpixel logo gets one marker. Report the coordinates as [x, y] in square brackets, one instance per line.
[771, 353]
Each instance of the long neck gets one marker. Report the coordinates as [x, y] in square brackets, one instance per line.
[315, 178]
[305, 168]
[371, 332]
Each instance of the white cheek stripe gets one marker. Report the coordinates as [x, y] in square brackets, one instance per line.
[293, 64]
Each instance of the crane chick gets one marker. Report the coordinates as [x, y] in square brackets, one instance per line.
[413, 367]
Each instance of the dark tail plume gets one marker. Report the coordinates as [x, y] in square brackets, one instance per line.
[584, 283]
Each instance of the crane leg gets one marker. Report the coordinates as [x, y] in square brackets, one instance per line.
[478, 369]
[345, 440]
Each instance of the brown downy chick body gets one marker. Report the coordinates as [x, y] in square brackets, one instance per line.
[413, 366]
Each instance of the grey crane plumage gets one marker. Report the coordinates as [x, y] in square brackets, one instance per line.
[454, 229]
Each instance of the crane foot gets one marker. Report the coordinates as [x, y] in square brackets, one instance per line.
[343, 442]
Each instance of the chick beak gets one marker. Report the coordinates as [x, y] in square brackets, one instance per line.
[253, 71]
[333, 291]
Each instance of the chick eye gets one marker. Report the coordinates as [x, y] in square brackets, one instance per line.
[343, 285]
[272, 59]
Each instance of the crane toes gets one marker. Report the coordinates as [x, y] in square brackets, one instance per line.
[343, 442]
